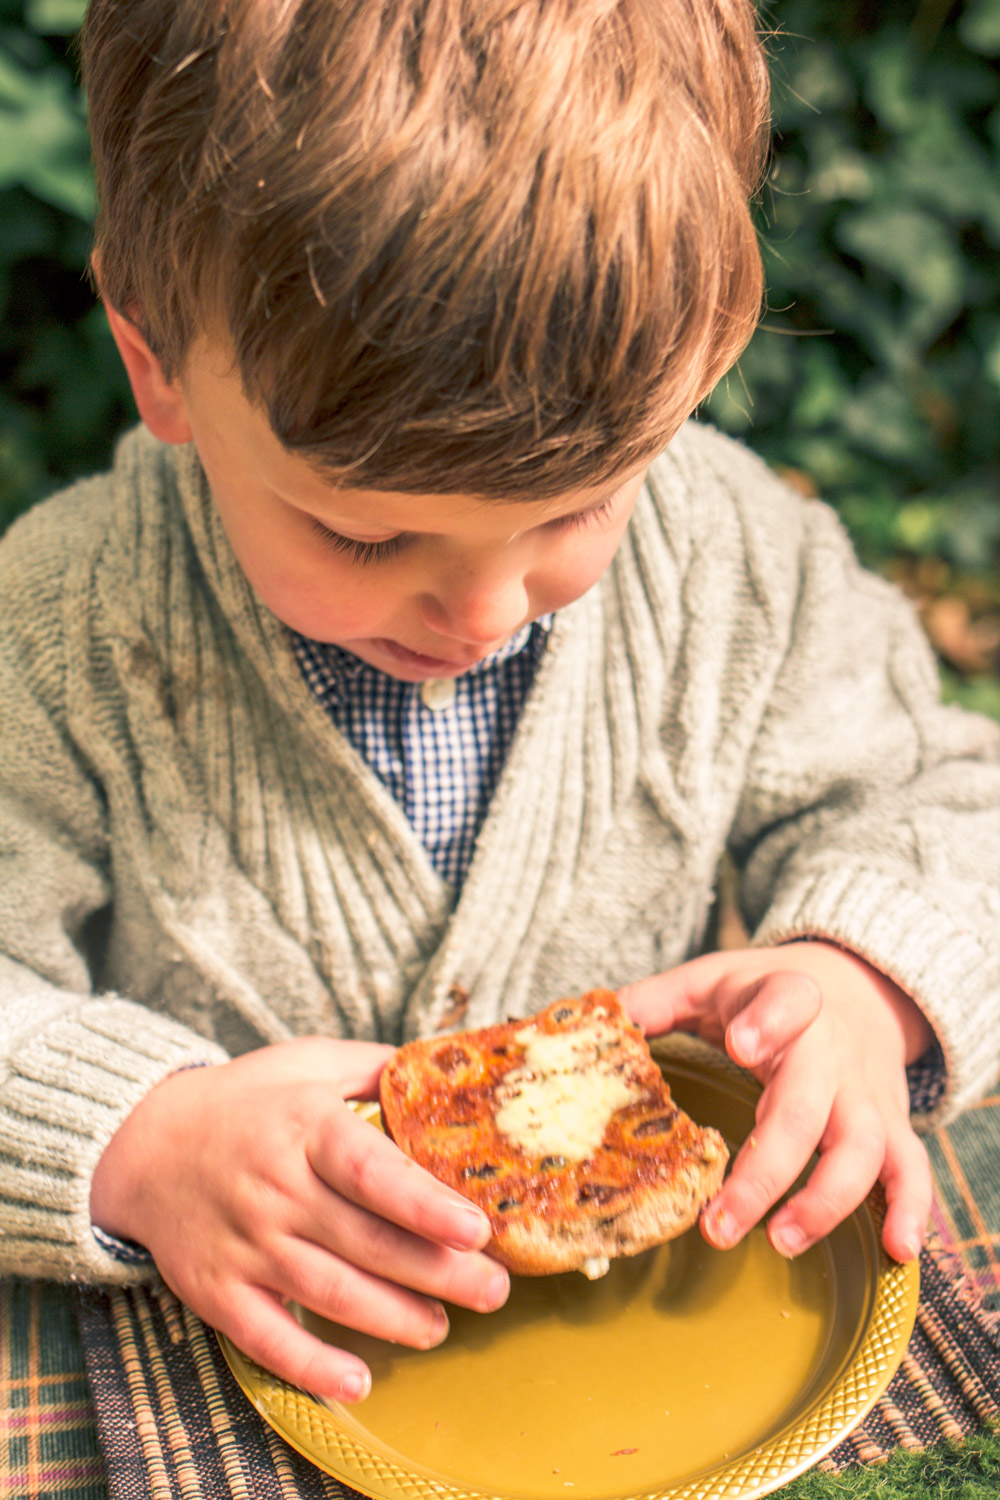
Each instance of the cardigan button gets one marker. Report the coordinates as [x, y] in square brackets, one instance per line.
[438, 693]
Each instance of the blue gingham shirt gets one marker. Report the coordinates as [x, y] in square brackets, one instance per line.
[438, 747]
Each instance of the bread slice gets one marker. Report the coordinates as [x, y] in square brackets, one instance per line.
[561, 1128]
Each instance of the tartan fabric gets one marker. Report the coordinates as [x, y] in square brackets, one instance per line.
[175, 1426]
[48, 1438]
[965, 1158]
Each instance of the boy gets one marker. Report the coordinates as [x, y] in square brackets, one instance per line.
[392, 672]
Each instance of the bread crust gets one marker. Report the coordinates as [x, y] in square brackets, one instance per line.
[644, 1177]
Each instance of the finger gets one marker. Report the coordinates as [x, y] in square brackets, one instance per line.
[357, 1068]
[680, 996]
[352, 1295]
[354, 1298]
[361, 1164]
[262, 1328]
[909, 1192]
[853, 1152]
[792, 1113]
[775, 1010]
[339, 1231]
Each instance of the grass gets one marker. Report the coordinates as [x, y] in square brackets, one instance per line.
[951, 1471]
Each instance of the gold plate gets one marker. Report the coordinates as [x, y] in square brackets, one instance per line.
[687, 1373]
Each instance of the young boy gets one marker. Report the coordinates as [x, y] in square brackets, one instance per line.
[415, 661]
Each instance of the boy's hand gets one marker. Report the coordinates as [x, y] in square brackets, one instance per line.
[253, 1183]
[829, 1038]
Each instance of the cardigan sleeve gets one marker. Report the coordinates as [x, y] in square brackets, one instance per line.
[73, 1062]
[871, 811]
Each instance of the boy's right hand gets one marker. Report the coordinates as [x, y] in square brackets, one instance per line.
[252, 1183]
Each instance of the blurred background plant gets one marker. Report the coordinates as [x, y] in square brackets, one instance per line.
[874, 379]
[875, 376]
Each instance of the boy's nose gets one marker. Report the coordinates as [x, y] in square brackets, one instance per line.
[478, 614]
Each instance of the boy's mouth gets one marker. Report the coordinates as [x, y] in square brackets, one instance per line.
[426, 666]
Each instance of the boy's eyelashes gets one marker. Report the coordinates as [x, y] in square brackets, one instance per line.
[361, 552]
[585, 517]
[375, 552]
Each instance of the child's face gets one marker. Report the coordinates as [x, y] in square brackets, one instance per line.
[419, 586]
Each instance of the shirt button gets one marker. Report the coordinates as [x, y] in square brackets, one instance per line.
[438, 692]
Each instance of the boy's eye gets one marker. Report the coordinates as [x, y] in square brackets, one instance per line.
[585, 517]
[361, 552]
[376, 552]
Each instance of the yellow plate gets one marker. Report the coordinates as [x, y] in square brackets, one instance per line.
[685, 1374]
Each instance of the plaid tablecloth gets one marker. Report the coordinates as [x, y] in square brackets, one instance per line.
[174, 1426]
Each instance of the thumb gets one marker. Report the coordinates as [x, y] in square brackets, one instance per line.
[681, 998]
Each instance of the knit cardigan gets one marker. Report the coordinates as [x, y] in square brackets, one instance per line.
[194, 862]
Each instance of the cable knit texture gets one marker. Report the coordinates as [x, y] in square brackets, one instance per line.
[195, 862]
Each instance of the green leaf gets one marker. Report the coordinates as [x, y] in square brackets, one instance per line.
[880, 418]
[55, 17]
[979, 26]
[971, 529]
[18, 86]
[43, 138]
[952, 175]
[892, 88]
[823, 388]
[809, 79]
[918, 252]
[873, 521]
[919, 527]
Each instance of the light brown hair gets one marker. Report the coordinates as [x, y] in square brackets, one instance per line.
[500, 247]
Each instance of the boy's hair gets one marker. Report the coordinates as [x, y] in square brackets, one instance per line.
[499, 247]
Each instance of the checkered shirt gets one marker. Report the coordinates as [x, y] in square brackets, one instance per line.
[440, 763]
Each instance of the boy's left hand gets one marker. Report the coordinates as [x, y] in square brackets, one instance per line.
[829, 1038]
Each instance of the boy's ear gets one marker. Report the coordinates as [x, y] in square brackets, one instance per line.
[160, 401]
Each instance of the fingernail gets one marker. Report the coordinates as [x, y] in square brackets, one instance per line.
[911, 1246]
[722, 1229]
[356, 1386]
[473, 1227]
[497, 1290]
[745, 1043]
[788, 1240]
[441, 1326]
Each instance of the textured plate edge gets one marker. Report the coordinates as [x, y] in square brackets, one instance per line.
[253, 1379]
[751, 1477]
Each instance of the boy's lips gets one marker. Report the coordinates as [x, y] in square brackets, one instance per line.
[416, 661]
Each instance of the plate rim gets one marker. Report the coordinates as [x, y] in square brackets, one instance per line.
[796, 1447]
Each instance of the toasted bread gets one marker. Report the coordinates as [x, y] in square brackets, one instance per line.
[561, 1128]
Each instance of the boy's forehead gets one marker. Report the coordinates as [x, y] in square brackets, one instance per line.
[231, 430]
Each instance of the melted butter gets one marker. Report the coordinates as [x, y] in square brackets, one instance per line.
[559, 1101]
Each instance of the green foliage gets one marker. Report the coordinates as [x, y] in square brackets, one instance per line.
[876, 372]
[63, 396]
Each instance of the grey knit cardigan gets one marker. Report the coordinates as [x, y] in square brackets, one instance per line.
[193, 862]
